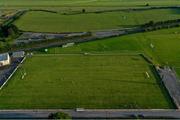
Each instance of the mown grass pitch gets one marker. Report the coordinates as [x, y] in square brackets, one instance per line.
[52, 22]
[84, 81]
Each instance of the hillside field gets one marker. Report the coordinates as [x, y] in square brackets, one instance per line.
[55, 22]
[84, 81]
[165, 52]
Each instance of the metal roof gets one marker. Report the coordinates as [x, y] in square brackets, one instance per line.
[4, 56]
[18, 54]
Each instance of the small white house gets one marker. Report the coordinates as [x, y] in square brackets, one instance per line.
[5, 59]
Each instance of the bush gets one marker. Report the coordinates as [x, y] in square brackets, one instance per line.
[83, 10]
[147, 4]
[59, 115]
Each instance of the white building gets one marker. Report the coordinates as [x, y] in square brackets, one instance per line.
[4, 59]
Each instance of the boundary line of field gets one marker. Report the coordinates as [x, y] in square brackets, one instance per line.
[88, 54]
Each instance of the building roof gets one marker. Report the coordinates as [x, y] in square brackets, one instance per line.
[18, 54]
[4, 56]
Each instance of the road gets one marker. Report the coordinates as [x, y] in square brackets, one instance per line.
[171, 83]
[116, 113]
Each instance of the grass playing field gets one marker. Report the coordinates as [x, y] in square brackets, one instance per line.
[84, 81]
[52, 22]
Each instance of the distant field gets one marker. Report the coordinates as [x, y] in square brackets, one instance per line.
[166, 46]
[54, 3]
[78, 81]
[51, 22]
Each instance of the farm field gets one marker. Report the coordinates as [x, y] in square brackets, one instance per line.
[93, 3]
[166, 46]
[84, 81]
[39, 21]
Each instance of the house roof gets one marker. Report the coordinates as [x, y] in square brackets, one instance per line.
[4, 56]
[18, 54]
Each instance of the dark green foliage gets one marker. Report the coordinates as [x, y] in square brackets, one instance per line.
[150, 26]
[6, 31]
[83, 10]
[147, 4]
[59, 115]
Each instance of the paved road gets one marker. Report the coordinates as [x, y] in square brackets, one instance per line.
[22, 114]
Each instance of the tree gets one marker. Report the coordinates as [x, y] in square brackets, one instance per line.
[147, 4]
[83, 10]
[59, 115]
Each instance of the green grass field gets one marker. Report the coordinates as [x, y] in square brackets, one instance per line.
[61, 80]
[166, 46]
[94, 3]
[84, 81]
[51, 22]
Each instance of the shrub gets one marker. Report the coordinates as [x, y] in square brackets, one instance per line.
[83, 10]
[59, 115]
[147, 4]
